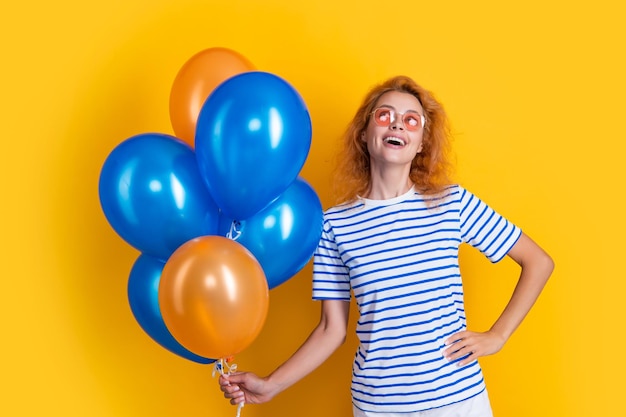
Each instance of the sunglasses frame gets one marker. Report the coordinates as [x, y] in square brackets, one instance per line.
[393, 116]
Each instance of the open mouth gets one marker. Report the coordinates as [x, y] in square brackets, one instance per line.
[394, 141]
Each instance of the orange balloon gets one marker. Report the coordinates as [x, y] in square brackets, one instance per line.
[213, 296]
[194, 83]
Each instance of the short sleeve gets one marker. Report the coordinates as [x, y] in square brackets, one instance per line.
[331, 278]
[485, 229]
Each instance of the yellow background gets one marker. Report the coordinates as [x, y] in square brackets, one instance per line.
[535, 91]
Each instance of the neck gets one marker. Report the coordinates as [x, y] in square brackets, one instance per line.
[388, 184]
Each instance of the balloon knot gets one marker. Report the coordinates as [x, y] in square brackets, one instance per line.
[223, 366]
[235, 230]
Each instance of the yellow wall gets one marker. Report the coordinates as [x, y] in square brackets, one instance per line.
[536, 95]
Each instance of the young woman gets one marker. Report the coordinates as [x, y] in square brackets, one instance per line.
[393, 244]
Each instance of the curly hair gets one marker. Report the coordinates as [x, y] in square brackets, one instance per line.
[430, 169]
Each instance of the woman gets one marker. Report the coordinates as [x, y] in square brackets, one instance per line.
[393, 244]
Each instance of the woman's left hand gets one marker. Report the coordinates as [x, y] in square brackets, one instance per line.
[472, 345]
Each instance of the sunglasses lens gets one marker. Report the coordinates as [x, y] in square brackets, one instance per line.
[382, 117]
[412, 121]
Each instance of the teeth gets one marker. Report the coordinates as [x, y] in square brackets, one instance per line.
[394, 141]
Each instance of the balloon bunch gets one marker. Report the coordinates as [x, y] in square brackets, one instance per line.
[218, 212]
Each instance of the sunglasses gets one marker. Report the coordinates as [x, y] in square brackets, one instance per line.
[412, 120]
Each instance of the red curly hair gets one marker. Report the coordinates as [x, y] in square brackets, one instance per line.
[431, 168]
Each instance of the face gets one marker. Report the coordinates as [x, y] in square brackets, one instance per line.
[394, 133]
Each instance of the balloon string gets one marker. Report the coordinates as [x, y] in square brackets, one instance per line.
[234, 231]
[224, 367]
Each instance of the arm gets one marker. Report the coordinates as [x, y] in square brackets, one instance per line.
[536, 267]
[325, 338]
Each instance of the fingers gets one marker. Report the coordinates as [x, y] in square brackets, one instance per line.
[231, 391]
[467, 346]
[226, 387]
[462, 348]
[233, 379]
[456, 337]
[223, 381]
[236, 397]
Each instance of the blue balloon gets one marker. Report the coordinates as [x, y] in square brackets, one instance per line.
[284, 235]
[253, 136]
[153, 195]
[143, 296]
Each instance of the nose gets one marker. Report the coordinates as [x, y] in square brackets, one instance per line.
[396, 123]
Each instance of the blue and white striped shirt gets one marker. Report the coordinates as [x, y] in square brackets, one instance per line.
[400, 260]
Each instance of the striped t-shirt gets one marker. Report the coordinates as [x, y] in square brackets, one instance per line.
[400, 260]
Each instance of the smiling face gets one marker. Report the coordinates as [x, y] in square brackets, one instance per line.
[400, 140]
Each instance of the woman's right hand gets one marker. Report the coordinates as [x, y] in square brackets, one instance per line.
[245, 387]
[327, 336]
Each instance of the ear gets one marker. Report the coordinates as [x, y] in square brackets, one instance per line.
[363, 136]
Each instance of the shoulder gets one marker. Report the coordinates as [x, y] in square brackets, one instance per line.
[449, 194]
[343, 209]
